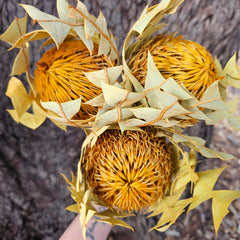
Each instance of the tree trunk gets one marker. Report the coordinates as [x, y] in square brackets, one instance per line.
[33, 194]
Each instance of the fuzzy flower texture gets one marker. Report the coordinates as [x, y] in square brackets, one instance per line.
[136, 156]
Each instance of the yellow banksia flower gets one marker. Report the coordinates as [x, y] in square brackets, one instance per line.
[129, 171]
[60, 77]
[185, 61]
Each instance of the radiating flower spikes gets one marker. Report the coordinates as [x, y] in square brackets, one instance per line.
[59, 90]
[116, 168]
[132, 159]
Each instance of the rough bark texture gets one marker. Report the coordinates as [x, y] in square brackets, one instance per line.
[33, 194]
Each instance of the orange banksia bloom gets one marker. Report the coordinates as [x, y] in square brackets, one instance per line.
[136, 157]
[60, 75]
[129, 171]
[185, 61]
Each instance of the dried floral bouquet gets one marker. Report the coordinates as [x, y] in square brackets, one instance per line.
[136, 156]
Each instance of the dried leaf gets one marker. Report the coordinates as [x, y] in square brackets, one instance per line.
[203, 187]
[20, 99]
[154, 79]
[56, 29]
[114, 96]
[97, 77]
[114, 221]
[220, 203]
[29, 120]
[64, 110]
[212, 99]
[21, 62]
[73, 208]
[111, 117]
[15, 31]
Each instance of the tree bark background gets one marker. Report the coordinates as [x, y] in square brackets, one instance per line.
[33, 194]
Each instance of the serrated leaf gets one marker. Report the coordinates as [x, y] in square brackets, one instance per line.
[63, 11]
[184, 138]
[212, 99]
[184, 174]
[64, 110]
[154, 79]
[97, 101]
[108, 213]
[29, 120]
[112, 116]
[104, 45]
[15, 31]
[20, 99]
[223, 81]
[203, 187]
[141, 24]
[97, 77]
[21, 62]
[114, 221]
[163, 204]
[81, 33]
[168, 103]
[56, 29]
[197, 143]
[231, 69]
[170, 215]
[220, 203]
[32, 36]
[73, 208]
[131, 124]
[114, 95]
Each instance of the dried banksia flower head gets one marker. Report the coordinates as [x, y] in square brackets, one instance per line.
[187, 62]
[60, 89]
[60, 75]
[129, 171]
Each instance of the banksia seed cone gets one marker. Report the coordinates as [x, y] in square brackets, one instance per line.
[129, 171]
[60, 75]
[185, 61]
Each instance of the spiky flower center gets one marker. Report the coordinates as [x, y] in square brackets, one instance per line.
[186, 61]
[129, 171]
[59, 75]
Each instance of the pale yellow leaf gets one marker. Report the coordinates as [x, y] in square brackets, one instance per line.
[170, 215]
[232, 69]
[64, 110]
[81, 33]
[203, 187]
[141, 24]
[154, 79]
[112, 116]
[115, 221]
[56, 29]
[114, 95]
[73, 208]
[31, 36]
[212, 99]
[220, 203]
[21, 62]
[15, 31]
[104, 45]
[109, 76]
[29, 120]
[20, 99]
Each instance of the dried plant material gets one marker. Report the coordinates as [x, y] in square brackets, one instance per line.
[132, 159]
[83, 44]
[183, 60]
[60, 75]
[129, 171]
